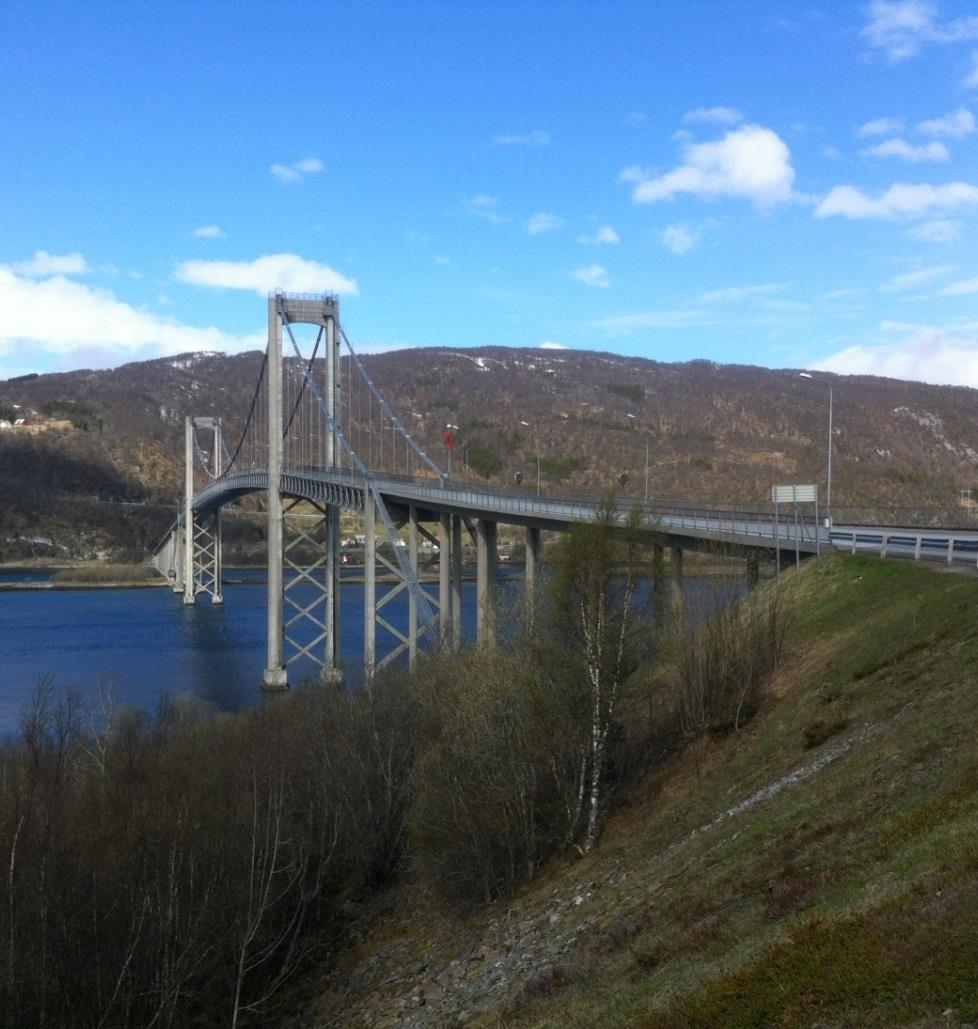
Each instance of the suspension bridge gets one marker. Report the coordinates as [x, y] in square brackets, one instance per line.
[320, 438]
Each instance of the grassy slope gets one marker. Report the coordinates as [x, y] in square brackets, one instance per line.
[848, 895]
[851, 896]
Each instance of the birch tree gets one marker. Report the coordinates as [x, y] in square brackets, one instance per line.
[600, 622]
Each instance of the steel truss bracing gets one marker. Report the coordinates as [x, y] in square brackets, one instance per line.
[297, 442]
[206, 565]
[422, 603]
[309, 592]
[199, 531]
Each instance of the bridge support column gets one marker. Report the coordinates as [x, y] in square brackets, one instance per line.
[188, 511]
[450, 581]
[676, 563]
[753, 570]
[275, 677]
[331, 671]
[456, 582]
[412, 597]
[444, 579]
[369, 587]
[531, 571]
[485, 537]
[177, 543]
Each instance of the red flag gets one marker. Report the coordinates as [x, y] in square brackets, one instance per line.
[448, 439]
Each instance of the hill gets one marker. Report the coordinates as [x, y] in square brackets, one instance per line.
[713, 433]
[817, 867]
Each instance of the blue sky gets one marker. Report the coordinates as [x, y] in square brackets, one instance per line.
[781, 184]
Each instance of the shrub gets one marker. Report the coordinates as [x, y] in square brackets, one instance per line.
[720, 665]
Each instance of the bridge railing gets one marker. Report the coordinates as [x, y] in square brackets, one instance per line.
[570, 507]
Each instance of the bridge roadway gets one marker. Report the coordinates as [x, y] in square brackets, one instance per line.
[682, 525]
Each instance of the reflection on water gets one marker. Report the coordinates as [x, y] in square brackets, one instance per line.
[143, 643]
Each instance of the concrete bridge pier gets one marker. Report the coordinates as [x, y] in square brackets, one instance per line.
[275, 676]
[444, 580]
[412, 596]
[486, 537]
[331, 671]
[455, 582]
[188, 511]
[174, 561]
[369, 586]
[450, 581]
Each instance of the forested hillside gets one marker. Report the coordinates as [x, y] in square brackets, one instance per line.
[714, 433]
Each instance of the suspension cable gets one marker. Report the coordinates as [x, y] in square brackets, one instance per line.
[410, 576]
[389, 411]
[251, 411]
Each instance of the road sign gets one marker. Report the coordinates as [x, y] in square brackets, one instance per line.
[794, 494]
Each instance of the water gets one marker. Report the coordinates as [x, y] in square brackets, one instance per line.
[139, 644]
[142, 643]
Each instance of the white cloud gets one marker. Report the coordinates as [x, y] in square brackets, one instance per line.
[208, 232]
[880, 127]
[735, 294]
[58, 316]
[939, 230]
[927, 354]
[932, 151]
[543, 221]
[605, 234]
[442, 260]
[910, 280]
[625, 324]
[900, 28]
[535, 138]
[482, 205]
[43, 263]
[299, 170]
[636, 118]
[971, 79]
[680, 239]
[722, 115]
[273, 271]
[958, 289]
[955, 125]
[552, 346]
[901, 200]
[592, 275]
[750, 162]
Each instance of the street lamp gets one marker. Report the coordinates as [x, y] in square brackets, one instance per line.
[828, 491]
[527, 424]
[449, 443]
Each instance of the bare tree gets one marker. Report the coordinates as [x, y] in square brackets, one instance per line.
[602, 626]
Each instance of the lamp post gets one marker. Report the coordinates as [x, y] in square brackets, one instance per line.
[527, 424]
[828, 490]
[449, 443]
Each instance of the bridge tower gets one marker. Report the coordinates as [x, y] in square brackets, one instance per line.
[199, 536]
[311, 628]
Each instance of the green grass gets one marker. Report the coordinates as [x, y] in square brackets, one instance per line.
[850, 897]
[106, 573]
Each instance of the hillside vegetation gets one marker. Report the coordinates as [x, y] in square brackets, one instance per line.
[713, 433]
[816, 867]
